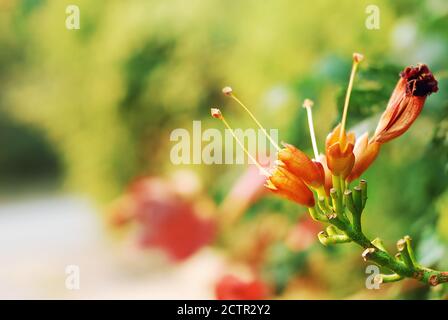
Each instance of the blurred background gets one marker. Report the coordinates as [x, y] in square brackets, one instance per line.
[85, 121]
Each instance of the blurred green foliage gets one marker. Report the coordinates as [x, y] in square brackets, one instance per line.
[29, 156]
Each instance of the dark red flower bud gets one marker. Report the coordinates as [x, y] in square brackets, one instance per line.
[230, 287]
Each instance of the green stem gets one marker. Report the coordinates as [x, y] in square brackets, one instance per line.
[316, 215]
[387, 278]
[384, 259]
[326, 239]
[374, 251]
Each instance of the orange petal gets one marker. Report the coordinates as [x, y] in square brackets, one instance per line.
[365, 154]
[405, 103]
[298, 163]
[289, 186]
[404, 114]
[333, 136]
[328, 179]
[340, 162]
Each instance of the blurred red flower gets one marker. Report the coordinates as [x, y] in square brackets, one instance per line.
[168, 220]
[230, 287]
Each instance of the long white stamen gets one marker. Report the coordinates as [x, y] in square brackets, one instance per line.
[357, 58]
[229, 92]
[307, 104]
[216, 113]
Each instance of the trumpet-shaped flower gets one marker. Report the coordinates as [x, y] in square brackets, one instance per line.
[406, 102]
[286, 184]
[295, 174]
[298, 163]
[365, 153]
[339, 152]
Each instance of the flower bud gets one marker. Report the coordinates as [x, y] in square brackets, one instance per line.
[339, 152]
[406, 102]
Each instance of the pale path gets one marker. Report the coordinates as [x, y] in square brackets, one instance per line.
[39, 237]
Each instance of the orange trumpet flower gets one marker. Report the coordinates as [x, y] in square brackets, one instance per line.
[404, 106]
[280, 180]
[339, 152]
[299, 164]
[288, 185]
[406, 102]
[365, 153]
[296, 176]
[339, 145]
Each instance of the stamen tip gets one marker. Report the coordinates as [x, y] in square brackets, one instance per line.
[216, 113]
[270, 185]
[227, 91]
[307, 103]
[358, 57]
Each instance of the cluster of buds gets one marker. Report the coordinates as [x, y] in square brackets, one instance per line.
[322, 183]
[301, 179]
